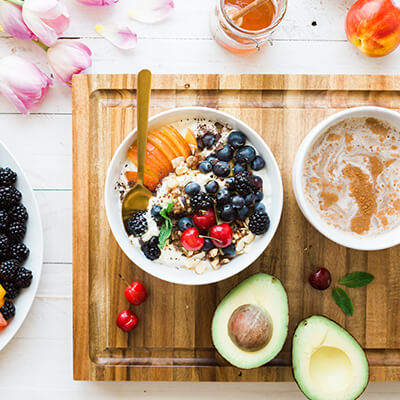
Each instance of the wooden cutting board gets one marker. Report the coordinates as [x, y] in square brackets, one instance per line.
[172, 341]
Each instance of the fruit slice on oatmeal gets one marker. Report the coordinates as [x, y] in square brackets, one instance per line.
[211, 195]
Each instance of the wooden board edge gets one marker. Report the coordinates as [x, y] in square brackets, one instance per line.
[80, 257]
[248, 81]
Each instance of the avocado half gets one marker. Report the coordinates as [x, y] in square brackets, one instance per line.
[328, 363]
[250, 324]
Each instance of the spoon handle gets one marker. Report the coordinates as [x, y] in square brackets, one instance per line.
[142, 110]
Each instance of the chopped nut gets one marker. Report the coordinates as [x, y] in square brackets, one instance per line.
[240, 245]
[177, 161]
[225, 261]
[172, 183]
[213, 253]
[200, 267]
[249, 238]
[215, 264]
[181, 169]
[190, 161]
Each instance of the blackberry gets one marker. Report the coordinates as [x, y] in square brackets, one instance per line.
[151, 249]
[7, 176]
[244, 183]
[23, 278]
[9, 196]
[4, 220]
[19, 252]
[16, 231]
[11, 290]
[4, 245]
[201, 201]
[18, 213]
[137, 225]
[8, 270]
[259, 223]
[8, 310]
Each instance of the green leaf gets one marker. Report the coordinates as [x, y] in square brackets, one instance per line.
[166, 228]
[343, 301]
[357, 279]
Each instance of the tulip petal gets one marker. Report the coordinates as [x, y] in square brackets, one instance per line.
[120, 36]
[98, 2]
[12, 22]
[150, 11]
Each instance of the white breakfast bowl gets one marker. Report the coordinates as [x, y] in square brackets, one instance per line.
[379, 241]
[182, 276]
[33, 240]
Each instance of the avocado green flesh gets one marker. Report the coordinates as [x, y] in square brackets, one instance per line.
[266, 292]
[328, 363]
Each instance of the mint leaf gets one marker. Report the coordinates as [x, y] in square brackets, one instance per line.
[166, 228]
[357, 279]
[343, 301]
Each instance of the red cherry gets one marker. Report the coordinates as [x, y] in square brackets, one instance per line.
[127, 320]
[204, 220]
[222, 235]
[320, 279]
[135, 293]
[191, 240]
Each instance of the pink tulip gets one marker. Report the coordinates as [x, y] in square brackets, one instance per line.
[98, 2]
[67, 59]
[47, 19]
[12, 22]
[22, 82]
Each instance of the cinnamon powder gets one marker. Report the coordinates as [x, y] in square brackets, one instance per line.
[362, 190]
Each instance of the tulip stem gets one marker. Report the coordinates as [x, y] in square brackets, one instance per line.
[41, 45]
[17, 2]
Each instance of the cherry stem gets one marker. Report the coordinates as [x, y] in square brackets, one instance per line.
[209, 237]
[124, 280]
[309, 255]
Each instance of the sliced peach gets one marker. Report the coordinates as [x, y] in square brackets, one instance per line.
[184, 147]
[159, 142]
[149, 181]
[153, 166]
[168, 142]
[190, 138]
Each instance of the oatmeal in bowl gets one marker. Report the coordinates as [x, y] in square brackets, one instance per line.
[217, 197]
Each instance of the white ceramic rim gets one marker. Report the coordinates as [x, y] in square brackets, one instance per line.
[367, 243]
[34, 240]
[171, 274]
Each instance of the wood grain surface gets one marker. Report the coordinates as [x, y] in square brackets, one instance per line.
[172, 342]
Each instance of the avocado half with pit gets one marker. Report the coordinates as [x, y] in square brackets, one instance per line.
[328, 363]
[250, 325]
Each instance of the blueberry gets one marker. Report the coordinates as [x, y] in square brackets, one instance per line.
[245, 154]
[259, 207]
[192, 188]
[258, 182]
[205, 167]
[155, 213]
[229, 251]
[228, 213]
[222, 169]
[236, 139]
[242, 213]
[223, 197]
[185, 223]
[258, 163]
[259, 196]
[225, 154]
[237, 201]
[250, 199]
[230, 183]
[212, 187]
[208, 140]
[208, 245]
[239, 168]
[211, 159]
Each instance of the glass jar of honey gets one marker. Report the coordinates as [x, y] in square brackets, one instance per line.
[244, 26]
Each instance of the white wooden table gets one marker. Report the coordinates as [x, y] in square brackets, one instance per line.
[37, 364]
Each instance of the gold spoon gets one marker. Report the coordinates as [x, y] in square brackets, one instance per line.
[137, 198]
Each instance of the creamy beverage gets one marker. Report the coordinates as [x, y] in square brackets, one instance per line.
[352, 176]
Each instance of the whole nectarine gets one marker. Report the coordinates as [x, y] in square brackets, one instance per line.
[374, 26]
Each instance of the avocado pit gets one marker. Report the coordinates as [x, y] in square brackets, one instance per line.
[250, 327]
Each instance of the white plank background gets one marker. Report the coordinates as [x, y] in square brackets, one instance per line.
[38, 362]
